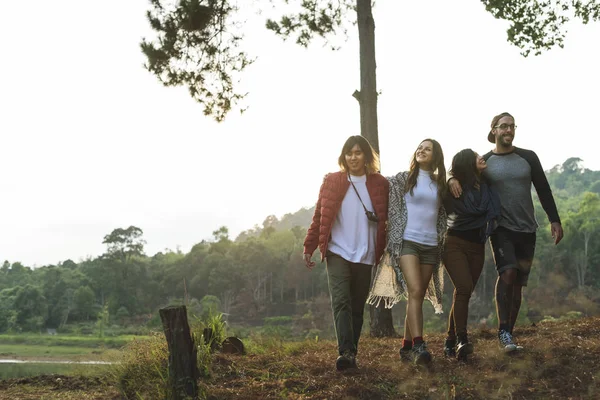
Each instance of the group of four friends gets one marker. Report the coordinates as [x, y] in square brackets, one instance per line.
[409, 225]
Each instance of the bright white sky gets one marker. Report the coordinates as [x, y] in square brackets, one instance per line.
[93, 142]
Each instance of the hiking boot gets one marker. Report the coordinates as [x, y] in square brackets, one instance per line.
[346, 361]
[405, 354]
[450, 348]
[463, 349]
[506, 341]
[420, 354]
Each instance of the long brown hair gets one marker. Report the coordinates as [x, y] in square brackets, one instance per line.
[464, 168]
[371, 156]
[438, 169]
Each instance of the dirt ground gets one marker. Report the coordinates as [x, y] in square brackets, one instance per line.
[560, 360]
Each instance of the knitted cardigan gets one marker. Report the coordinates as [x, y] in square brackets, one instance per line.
[397, 221]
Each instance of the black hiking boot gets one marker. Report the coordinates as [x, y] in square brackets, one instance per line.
[420, 354]
[450, 348]
[346, 361]
[463, 349]
[406, 354]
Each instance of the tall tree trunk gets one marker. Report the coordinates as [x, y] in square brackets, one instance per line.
[271, 287]
[367, 97]
[281, 284]
[579, 265]
[66, 317]
[265, 279]
[381, 318]
[586, 240]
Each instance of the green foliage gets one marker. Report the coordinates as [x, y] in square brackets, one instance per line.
[277, 327]
[85, 301]
[569, 316]
[197, 43]
[210, 306]
[122, 314]
[7, 310]
[583, 226]
[585, 300]
[221, 234]
[103, 320]
[540, 25]
[323, 18]
[281, 320]
[31, 308]
[204, 358]
[122, 244]
[218, 328]
[142, 372]
[197, 46]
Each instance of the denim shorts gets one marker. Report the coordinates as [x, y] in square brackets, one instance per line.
[427, 254]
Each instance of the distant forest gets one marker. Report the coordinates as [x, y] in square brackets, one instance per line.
[259, 279]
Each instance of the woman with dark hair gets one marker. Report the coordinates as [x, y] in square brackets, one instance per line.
[416, 231]
[471, 219]
[348, 227]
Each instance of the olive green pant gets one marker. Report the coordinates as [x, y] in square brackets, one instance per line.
[349, 285]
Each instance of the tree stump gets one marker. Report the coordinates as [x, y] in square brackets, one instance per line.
[381, 321]
[233, 345]
[183, 353]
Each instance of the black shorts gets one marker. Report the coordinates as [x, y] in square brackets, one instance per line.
[513, 250]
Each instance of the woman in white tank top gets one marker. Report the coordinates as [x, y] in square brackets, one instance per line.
[416, 231]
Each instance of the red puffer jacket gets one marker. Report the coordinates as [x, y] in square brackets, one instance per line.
[333, 190]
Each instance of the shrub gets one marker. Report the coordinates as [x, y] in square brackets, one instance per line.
[143, 368]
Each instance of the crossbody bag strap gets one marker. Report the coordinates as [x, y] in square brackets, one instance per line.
[354, 187]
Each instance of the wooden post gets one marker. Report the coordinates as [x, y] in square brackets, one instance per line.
[183, 353]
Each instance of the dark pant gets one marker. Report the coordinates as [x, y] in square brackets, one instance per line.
[349, 287]
[513, 254]
[464, 261]
[513, 250]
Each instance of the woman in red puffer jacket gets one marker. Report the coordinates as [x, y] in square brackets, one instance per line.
[349, 227]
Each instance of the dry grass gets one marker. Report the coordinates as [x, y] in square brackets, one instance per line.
[560, 361]
[57, 387]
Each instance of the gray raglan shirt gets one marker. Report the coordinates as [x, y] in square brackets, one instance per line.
[512, 174]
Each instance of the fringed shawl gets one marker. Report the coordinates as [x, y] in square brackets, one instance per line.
[389, 285]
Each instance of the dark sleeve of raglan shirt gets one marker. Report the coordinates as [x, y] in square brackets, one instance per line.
[540, 182]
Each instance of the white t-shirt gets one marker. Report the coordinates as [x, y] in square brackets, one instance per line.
[422, 208]
[352, 234]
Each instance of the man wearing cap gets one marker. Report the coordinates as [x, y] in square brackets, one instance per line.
[511, 171]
